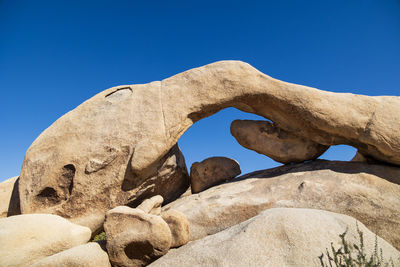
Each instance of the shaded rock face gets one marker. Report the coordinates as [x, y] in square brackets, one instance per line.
[277, 237]
[212, 171]
[135, 238]
[27, 238]
[85, 194]
[8, 204]
[354, 189]
[88, 255]
[118, 143]
[265, 138]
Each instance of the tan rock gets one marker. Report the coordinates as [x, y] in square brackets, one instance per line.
[84, 196]
[87, 255]
[117, 143]
[212, 171]
[282, 146]
[152, 205]
[179, 226]
[277, 237]
[25, 239]
[6, 190]
[369, 193]
[135, 238]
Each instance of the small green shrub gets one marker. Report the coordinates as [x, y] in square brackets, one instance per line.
[99, 237]
[353, 255]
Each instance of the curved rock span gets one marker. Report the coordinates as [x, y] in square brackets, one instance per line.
[115, 148]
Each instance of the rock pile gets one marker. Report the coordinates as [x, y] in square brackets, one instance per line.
[113, 163]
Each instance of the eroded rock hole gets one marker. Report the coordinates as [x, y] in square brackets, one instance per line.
[139, 250]
[49, 196]
[67, 178]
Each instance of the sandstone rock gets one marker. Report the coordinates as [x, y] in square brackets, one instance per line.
[212, 171]
[6, 190]
[282, 146]
[117, 142]
[277, 237]
[369, 193]
[179, 226]
[135, 238]
[152, 205]
[27, 238]
[87, 255]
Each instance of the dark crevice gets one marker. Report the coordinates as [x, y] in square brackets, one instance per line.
[49, 195]
[139, 250]
[68, 174]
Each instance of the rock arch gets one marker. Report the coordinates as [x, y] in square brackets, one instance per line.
[128, 131]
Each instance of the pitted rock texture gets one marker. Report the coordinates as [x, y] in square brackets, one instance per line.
[278, 237]
[135, 238]
[85, 197]
[212, 171]
[369, 193]
[282, 146]
[117, 142]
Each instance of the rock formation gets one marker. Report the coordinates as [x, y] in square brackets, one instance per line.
[6, 192]
[27, 238]
[179, 226]
[122, 142]
[152, 205]
[212, 171]
[277, 237]
[135, 238]
[369, 193]
[265, 138]
[84, 195]
[88, 255]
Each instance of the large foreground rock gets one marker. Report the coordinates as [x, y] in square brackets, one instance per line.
[369, 193]
[27, 238]
[117, 143]
[135, 238]
[6, 191]
[265, 138]
[87, 255]
[277, 237]
[212, 171]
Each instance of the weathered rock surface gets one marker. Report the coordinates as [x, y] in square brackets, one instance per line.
[276, 237]
[282, 146]
[117, 142]
[369, 193]
[135, 238]
[6, 190]
[212, 171]
[78, 192]
[152, 205]
[27, 238]
[179, 226]
[87, 255]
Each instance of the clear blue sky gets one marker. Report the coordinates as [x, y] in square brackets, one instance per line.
[56, 54]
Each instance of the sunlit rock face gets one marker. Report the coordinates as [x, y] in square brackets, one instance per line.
[119, 147]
